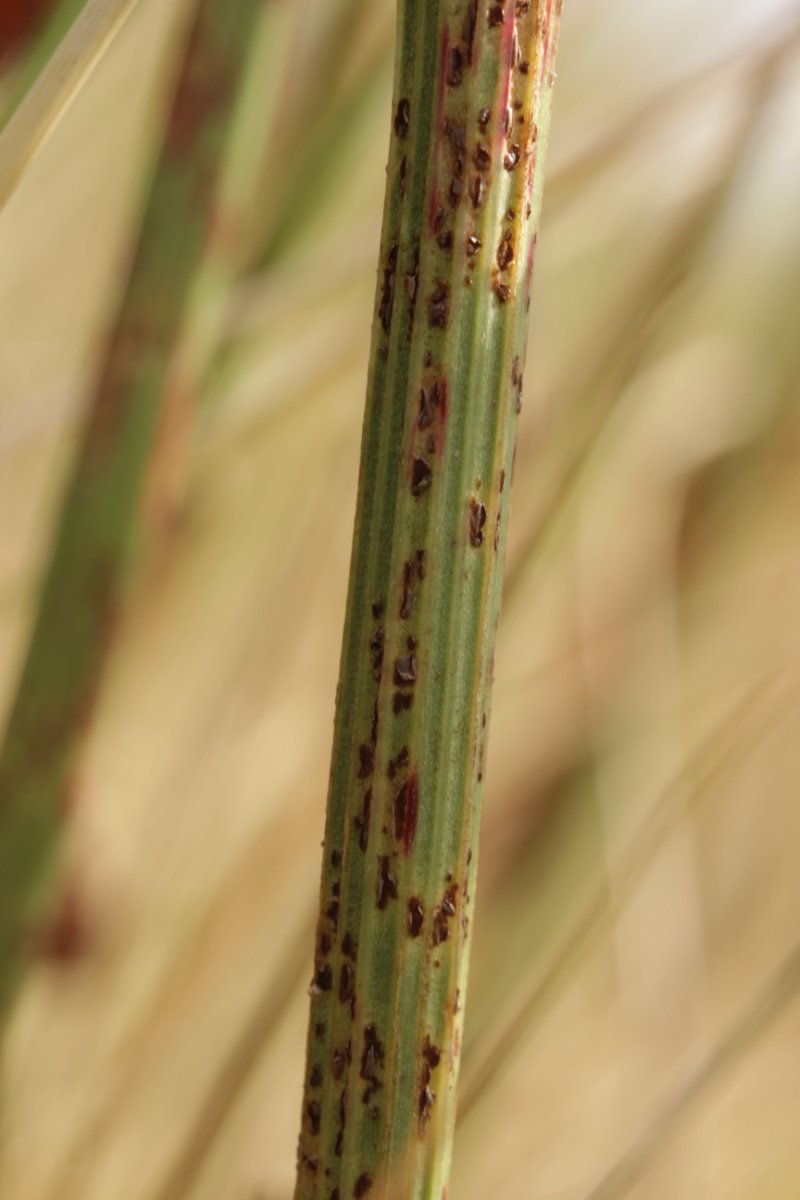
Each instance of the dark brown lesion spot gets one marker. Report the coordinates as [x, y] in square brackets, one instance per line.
[340, 1059]
[495, 16]
[323, 978]
[406, 807]
[362, 1185]
[512, 157]
[376, 652]
[505, 251]
[442, 915]
[421, 476]
[349, 947]
[366, 761]
[387, 291]
[347, 979]
[372, 1060]
[481, 157]
[455, 66]
[405, 670]
[402, 118]
[477, 521]
[439, 306]
[416, 916]
[314, 1115]
[361, 821]
[387, 882]
[477, 190]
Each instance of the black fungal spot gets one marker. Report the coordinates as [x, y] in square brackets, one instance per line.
[343, 1109]
[339, 1145]
[362, 1185]
[378, 609]
[336, 888]
[502, 291]
[402, 118]
[334, 1194]
[421, 476]
[416, 916]
[401, 173]
[373, 733]
[422, 560]
[319, 1029]
[406, 593]
[387, 882]
[325, 944]
[495, 16]
[439, 306]
[405, 670]
[497, 532]
[484, 116]
[477, 520]
[445, 240]
[332, 912]
[336, 859]
[315, 1078]
[502, 480]
[401, 702]
[314, 1114]
[473, 244]
[310, 1162]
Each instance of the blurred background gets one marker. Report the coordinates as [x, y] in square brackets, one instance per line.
[633, 1024]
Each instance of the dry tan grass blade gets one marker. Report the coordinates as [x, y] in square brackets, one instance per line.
[57, 86]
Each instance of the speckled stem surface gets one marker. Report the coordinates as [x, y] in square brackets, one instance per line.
[81, 589]
[470, 117]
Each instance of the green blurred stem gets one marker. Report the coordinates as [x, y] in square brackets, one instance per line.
[470, 119]
[82, 585]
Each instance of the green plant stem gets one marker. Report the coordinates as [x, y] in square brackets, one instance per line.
[80, 597]
[469, 130]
